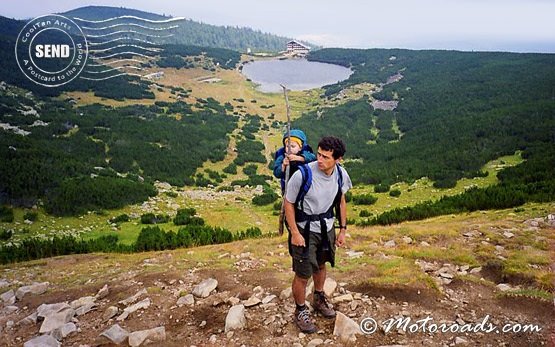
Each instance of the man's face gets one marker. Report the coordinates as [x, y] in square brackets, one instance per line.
[326, 163]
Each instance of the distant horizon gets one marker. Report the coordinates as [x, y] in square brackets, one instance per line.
[464, 25]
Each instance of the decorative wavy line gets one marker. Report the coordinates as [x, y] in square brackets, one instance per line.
[122, 53]
[114, 69]
[128, 32]
[106, 78]
[119, 39]
[131, 24]
[119, 46]
[130, 17]
[115, 62]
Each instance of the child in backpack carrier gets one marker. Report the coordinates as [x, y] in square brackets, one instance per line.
[300, 154]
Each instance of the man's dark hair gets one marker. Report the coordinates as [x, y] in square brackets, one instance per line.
[332, 143]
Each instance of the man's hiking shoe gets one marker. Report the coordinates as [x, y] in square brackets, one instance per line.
[321, 305]
[303, 321]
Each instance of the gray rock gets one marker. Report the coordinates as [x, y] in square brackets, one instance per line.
[342, 298]
[268, 298]
[133, 298]
[8, 297]
[504, 287]
[203, 289]
[4, 283]
[446, 275]
[354, 254]
[75, 304]
[9, 309]
[188, 300]
[315, 342]
[60, 333]
[85, 308]
[424, 244]
[407, 240]
[56, 320]
[35, 288]
[286, 293]
[137, 338]
[460, 341]
[235, 318]
[42, 341]
[390, 244]
[115, 334]
[252, 301]
[329, 286]
[103, 292]
[29, 320]
[345, 328]
[128, 310]
[508, 234]
[110, 312]
[46, 310]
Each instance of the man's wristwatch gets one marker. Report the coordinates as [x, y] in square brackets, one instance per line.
[343, 227]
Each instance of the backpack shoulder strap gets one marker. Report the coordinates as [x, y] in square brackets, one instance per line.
[306, 183]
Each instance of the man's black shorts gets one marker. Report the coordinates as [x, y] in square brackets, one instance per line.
[307, 261]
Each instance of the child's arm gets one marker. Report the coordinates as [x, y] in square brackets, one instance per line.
[308, 156]
[278, 172]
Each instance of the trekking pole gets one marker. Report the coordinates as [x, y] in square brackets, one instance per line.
[287, 169]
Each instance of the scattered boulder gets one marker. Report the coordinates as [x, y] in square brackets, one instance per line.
[235, 318]
[55, 316]
[203, 289]
[354, 254]
[345, 328]
[29, 320]
[110, 312]
[329, 286]
[460, 341]
[42, 341]
[102, 293]
[8, 297]
[188, 300]
[252, 301]
[342, 298]
[286, 293]
[115, 334]
[268, 299]
[35, 288]
[390, 244]
[315, 342]
[128, 310]
[133, 298]
[64, 331]
[504, 287]
[137, 338]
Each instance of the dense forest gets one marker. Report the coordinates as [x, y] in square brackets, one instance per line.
[75, 158]
[195, 33]
[456, 111]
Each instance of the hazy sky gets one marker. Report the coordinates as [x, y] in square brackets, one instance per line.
[500, 25]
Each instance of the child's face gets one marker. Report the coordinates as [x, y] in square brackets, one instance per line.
[295, 148]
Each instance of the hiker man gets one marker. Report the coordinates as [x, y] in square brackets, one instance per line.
[313, 192]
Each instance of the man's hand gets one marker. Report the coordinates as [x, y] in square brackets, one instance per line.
[297, 239]
[340, 240]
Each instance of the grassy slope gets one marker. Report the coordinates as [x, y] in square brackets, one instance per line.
[235, 212]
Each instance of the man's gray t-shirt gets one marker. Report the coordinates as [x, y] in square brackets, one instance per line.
[321, 194]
